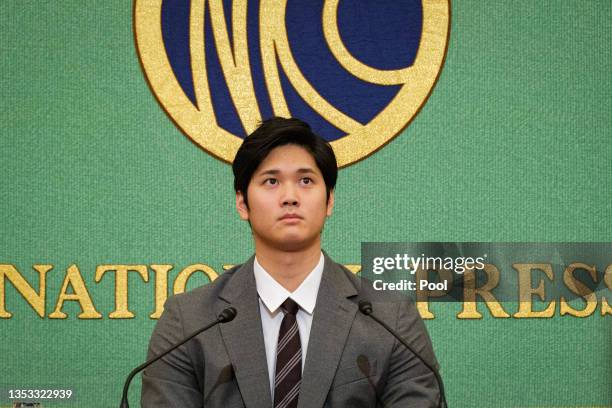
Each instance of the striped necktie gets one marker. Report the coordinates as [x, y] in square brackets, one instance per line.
[288, 359]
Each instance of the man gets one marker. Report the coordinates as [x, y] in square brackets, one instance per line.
[299, 339]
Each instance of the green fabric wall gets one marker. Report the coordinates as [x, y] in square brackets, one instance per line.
[514, 144]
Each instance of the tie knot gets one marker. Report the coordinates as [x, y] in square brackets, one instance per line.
[290, 307]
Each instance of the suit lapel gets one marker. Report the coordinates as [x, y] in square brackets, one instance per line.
[332, 320]
[243, 338]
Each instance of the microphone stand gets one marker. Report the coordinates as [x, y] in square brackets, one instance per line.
[225, 316]
[366, 308]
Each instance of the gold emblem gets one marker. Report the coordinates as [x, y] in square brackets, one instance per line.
[198, 121]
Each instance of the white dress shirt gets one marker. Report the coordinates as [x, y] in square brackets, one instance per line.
[271, 295]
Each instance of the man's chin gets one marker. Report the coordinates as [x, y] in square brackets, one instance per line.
[295, 244]
[289, 241]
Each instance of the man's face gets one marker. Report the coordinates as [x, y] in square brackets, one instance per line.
[287, 200]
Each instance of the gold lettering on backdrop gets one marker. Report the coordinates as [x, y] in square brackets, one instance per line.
[526, 291]
[470, 291]
[121, 286]
[355, 269]
[80, 294]
[605, 306]
[36, 300]
[580, 289]
[161, 288]
[181, 280]
[423, 309]
[423, 295]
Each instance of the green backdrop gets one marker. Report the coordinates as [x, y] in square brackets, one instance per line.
[514, 144]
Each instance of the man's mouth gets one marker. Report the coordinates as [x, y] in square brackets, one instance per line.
[290, 217]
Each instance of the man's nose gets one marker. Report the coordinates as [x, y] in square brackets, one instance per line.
[290, 202]
[290, 196]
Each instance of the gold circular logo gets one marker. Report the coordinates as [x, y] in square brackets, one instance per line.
[218, 71]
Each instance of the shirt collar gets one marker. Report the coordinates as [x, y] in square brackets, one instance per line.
[273, 294]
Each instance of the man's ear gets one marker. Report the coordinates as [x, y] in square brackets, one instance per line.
[241, 207]
[330, 203]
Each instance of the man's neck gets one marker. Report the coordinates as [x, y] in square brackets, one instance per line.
[288, 268]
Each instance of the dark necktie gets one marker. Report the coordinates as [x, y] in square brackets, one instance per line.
[288, 359]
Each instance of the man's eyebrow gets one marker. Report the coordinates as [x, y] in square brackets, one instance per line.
[305, 170]
[270, 171]
[302, 170]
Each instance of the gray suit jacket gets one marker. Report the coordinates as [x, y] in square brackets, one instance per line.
[351, 360]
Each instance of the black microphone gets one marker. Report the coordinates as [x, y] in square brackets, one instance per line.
[366, 308]
[227, 315]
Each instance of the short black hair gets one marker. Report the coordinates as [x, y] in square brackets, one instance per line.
[275, 132]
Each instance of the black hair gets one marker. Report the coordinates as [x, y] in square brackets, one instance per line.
[275, 132]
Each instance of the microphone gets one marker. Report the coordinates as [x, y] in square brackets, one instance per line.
[365, 307]
[227, 315]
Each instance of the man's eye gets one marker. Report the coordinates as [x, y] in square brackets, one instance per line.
[306, 180]
[270, 181]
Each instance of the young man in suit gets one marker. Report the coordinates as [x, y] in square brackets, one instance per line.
[299, 339]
